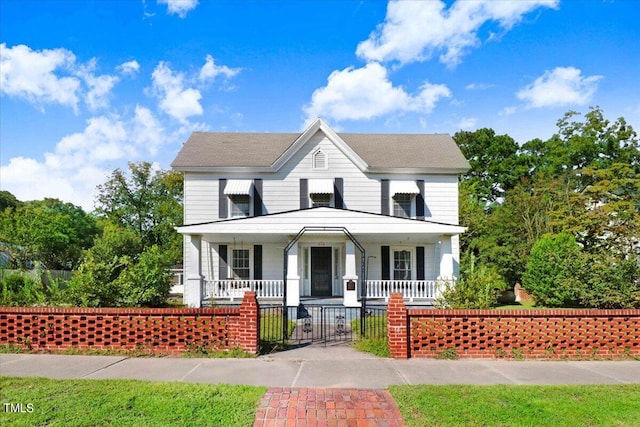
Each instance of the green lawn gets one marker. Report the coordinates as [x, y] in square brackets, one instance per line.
[539, 406]
[127, 403]
[375, 340]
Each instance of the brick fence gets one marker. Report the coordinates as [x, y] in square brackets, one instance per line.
[170, 330]
[531, 334]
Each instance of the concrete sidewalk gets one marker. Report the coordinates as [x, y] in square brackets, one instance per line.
[331, 367]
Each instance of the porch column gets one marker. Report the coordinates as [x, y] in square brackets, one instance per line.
[293, 280]
[350, 278]
[446, 258]
[193, 287]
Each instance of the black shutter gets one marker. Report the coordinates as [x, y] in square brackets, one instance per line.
[223, 209]
[223, 265]
[257, 197]
[419, 262]
[338, 187]
[384, 196]
[257, 262]
[304, 193]
[386, 262]
[420, 201]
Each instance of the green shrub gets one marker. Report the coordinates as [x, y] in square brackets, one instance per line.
[476, 289]
[552, 275]
[20, 290]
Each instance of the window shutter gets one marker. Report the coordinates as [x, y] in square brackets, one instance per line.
[338, 186]
[257, 262]
[304, 193]
[419, 262]
[384, 196]
[420, 201]
[223, 265]
[223, 209]
[257, 197]
[385, 259]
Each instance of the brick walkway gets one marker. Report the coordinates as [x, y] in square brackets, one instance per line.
[318, 407]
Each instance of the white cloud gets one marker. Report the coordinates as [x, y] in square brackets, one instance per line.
[210, 70]
[175, 100]
[507, 111]
[180, 94]
[479, 86]
[559, 87]
[39, 76]
[129, 68]
[53, 77]
[365, 93]
[83, 160]
[416, 30]
[179, 7]
[467, 123]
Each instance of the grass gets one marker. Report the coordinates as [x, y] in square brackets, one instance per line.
[526, 305]
[271, 329]
[540, 406]
[127, 403]
[375, 339]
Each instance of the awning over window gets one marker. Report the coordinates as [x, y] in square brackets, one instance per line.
[320, 186]
[403, 187]
[238, 187]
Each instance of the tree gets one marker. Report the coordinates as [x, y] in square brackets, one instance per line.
[8, 200]
[551, 272]
[48, 231]
[495, 167]
[119, 272]
[147, 202]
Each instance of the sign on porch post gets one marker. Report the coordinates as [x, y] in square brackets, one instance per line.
[350, 277]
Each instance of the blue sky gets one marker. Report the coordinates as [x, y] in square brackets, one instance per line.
[87, 86]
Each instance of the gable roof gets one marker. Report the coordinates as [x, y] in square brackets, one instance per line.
[370, 152]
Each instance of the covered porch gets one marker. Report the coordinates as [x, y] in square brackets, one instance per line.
[377, 255]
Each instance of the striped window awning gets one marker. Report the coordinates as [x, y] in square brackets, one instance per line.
[238, 187]
[403, 187]
[320, 186]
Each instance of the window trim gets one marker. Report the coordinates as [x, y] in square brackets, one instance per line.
[412, 259]
[232, 204]
[412, 205]
[231, 258]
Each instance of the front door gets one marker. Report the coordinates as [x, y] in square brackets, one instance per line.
[321, 271]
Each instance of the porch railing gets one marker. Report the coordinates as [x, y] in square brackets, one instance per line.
[410, 289]
[235, 289]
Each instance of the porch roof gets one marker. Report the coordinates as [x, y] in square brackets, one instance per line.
[291, 222]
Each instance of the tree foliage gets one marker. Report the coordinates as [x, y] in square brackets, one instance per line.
[146, 201]
[48, 231]
[129, 265]
[583, 182]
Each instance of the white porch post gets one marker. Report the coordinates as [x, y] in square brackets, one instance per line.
[446, 258]
[193, 287]
[350, 278]
[293, 280]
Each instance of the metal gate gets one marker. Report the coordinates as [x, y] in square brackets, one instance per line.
[318, 324]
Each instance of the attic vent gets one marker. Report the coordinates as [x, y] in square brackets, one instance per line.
[319, 160]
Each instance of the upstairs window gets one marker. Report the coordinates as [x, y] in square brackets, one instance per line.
[239, 193]
[402, 205]
[320, 160]
[240, 205]
[321, 200]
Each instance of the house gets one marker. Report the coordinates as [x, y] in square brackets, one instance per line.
[319, 214]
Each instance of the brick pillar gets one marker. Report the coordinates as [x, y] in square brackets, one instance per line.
[249, 324]
[397, 321]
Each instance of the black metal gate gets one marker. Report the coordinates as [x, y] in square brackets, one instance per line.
[318, 324]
